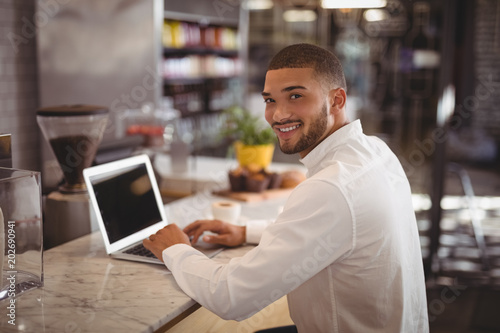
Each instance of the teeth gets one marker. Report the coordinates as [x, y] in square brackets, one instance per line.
[288, 128]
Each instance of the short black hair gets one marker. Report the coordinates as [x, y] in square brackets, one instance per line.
[326, 65]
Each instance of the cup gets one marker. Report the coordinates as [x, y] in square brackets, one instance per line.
[226, 211]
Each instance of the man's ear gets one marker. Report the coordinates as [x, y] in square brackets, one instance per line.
[337, 98]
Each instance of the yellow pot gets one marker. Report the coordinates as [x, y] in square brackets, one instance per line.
[260, 155]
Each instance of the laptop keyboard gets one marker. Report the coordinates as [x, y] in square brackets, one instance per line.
[140, 250]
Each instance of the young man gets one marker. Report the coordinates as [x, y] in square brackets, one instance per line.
[345, 249]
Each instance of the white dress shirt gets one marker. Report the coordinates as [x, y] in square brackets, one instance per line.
[345, 249]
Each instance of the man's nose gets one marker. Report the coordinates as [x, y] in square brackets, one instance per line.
[281, 113]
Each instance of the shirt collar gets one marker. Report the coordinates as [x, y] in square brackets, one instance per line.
[312, 160]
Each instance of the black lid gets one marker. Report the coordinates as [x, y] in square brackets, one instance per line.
[72, 110]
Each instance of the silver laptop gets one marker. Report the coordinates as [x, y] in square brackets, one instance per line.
[128, 207]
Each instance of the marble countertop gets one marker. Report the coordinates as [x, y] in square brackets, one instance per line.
[87, 291]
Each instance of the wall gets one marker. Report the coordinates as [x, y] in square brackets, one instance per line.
[18, 81]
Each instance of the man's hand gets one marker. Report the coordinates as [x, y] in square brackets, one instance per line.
[168, 236]
[227, 234]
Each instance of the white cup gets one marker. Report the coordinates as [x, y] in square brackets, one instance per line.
[226, 211]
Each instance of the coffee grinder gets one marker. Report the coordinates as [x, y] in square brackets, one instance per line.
[74, 133]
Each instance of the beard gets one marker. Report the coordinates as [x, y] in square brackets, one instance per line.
[311, 138]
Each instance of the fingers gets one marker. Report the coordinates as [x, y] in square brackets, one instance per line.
[169, 228]
[192, 226]
[232, 236]
[196, 235]
[148, 244]
[165, 237]
[197, 228]
[204, 224]
[217, 239]
[193, 230]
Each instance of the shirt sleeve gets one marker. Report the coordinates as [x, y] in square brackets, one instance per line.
[254, 230]
[314, 229]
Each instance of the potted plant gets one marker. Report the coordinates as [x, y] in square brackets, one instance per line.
[254, 140]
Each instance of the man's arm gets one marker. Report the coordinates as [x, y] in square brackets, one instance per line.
[244, 285]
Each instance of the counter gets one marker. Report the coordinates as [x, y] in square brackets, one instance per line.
[87, 291]
[203, 173]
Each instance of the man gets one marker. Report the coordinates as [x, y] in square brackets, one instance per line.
[345, 250]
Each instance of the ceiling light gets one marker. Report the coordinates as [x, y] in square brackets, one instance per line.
[295, 15]
[259, 4]
[353, 3]
[374, 15]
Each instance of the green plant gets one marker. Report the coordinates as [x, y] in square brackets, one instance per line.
[249, 129]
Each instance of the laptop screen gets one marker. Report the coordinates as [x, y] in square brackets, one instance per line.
[126, 201]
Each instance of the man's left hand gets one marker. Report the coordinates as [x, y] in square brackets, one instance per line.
[168, 236]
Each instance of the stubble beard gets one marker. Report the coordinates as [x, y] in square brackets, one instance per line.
[316, 130]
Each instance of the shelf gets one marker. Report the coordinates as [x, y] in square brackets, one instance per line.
[203, 19]
[196, 80]
[200, 67]
[171, 51]
[202, 62]
[184, 80]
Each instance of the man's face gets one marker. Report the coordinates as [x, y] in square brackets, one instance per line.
[297, 108]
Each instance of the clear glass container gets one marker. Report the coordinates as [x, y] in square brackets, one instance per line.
[148, 122]
[21, 237]
[74, 132]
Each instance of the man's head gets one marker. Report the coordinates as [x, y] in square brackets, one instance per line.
[327, 67]
[305, 97]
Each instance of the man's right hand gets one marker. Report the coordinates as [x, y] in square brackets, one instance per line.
[226, 234]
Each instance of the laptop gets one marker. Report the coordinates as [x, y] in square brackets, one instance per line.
[128, 207]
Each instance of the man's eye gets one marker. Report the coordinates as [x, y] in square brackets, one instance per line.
[268, 100]
[295, 96]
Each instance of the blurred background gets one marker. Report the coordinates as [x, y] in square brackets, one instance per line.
[422, 75]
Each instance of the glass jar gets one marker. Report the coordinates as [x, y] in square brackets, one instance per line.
[21, 236]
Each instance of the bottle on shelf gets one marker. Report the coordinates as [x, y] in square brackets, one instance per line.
[179, 34]
[198, 62]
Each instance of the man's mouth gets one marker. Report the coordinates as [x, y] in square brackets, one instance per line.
[288, 129]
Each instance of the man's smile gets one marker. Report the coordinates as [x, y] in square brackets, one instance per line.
[286, 131]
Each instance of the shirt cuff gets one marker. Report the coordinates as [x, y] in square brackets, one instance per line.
[175, 251]
[254, 230]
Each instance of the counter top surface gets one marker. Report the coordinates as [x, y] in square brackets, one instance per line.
[210, 169]
[87, 291]
[204, 173]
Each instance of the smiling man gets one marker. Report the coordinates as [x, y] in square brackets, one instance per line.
[345, 250]
[299, 109]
